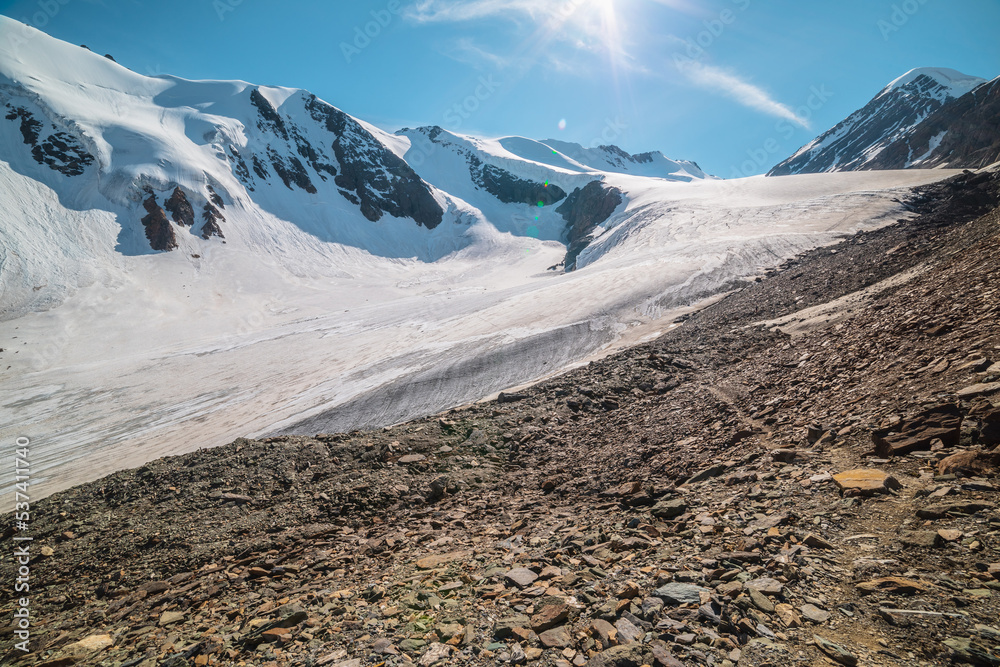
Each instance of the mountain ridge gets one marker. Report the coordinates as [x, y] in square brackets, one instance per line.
[870, 137]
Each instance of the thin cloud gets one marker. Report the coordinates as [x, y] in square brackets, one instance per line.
[436, 11]
[744, 92]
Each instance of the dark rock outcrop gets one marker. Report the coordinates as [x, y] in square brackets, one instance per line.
[214, 197]
[212, 216]
[510, 189]
[58, 150]
[180, 208]
[158, 230]
[584, 210]
[381, 180]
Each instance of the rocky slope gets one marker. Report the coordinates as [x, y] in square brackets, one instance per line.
[866, 138]
[723, 495]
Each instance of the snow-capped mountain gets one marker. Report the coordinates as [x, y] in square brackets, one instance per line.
[893, 115]
[181, 164]
[963, 133]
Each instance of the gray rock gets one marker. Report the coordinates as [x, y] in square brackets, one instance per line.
[707, 473]
[669, 509]
[766, 585]
[676, 594]
[620, 656]
[836, 651]
[521, 577]
[627, 631]
[761, 602]
[814, 614]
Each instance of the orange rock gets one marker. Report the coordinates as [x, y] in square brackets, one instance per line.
[892, 586]
[866, 481]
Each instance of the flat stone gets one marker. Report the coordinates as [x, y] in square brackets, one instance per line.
[88, 645]
[814, 614]
[431, 562]
[669, 509]
[816, 542]
[786, 613]
[627, 631]
[761, 601]
[663, 656]
[944, 509]
[630, 655]
[707, 473]
[906, 443]
[836, 651]
[154, 587]
[411, 458]
[559, 637]
[171, 617]
[236, 498]
[435, 653]
[521, 577]
[981, 389]
[892, 586]
[919, 538]
[677, 593]
[866, 481]
[968, 650]
[739, 556]
[601, 629]
[950, 535]
[549, 615]
[412, 645]
[766, 585]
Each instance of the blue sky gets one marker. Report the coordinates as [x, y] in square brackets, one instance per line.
[713, 81]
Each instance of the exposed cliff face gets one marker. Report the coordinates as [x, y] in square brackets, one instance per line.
[211, 216]
[371, 175]
[50, 146]
[892, 116]
[510, 189]
[158, 230]
[180, 208]
[584, 210]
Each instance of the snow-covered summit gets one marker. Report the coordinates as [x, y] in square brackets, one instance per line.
[941, 82]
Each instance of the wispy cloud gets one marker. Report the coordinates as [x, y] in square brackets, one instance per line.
[729, 84]
[465, 50]
[435, 11]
